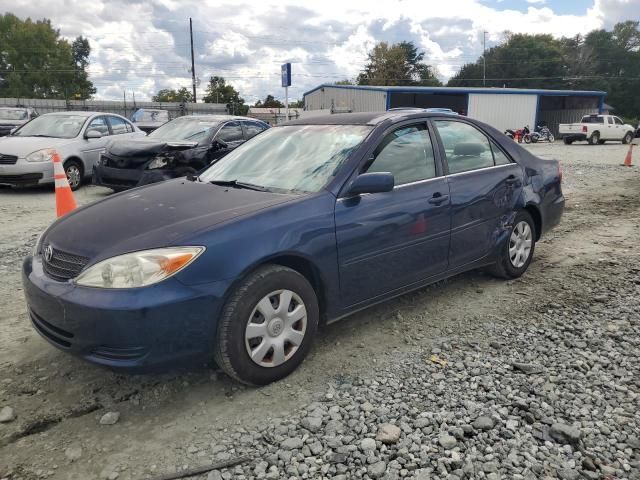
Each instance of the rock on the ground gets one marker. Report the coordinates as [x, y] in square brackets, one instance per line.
[563, 433]
[368, 444]
[388, 433]
[447, 441]
[7, 415]
[110, 418]
[377, 470]
[483, 423]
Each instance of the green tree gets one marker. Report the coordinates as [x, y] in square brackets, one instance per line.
[82, 87]
[183, 94]
[346, 81]
[607, 60]
[397, 64]
[269, 102]
[523, 61]
[219, 91]
[296, 104]
[35, 62]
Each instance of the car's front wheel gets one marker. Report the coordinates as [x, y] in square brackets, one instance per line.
[73, 170]
[628, 138]
[515, 257]
[267, 326]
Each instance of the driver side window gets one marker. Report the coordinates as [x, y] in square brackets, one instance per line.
[231, 132]
[407, 154]
[99, 124]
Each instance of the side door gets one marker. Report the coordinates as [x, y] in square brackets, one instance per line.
[93, 147]
[231, 134]
[390, 240]
[610, 129]
[485, 186]
[620, 131]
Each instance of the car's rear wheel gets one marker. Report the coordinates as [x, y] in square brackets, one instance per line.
[628, 138]
[267, 326]
[73, 170]
[567, 140]
[594, 139]
[515, 256]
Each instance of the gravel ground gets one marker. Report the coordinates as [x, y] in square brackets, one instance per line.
[469, 378]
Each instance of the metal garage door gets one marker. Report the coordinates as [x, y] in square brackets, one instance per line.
[504, 111]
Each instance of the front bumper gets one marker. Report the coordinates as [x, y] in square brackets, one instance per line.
[116, 178]
[23, 173]
[145, 329]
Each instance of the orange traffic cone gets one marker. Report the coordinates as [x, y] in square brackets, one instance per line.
[64, 198]
[627, 159]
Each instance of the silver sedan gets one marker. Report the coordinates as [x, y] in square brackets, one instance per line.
[78, 137]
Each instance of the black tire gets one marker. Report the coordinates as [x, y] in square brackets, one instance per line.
[594, 139]
[567, 140]
[527, 139]
[628, 138]
[503, 267]
[601, 142]
[230, 350]
[75, 173]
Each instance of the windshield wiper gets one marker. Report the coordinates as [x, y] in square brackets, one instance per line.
[237, 184]
[39, 135]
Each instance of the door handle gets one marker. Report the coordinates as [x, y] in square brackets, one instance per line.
[438, 198]
[511, 180]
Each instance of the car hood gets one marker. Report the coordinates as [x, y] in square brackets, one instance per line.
[157, 215]
[143, 146]
[22, 146]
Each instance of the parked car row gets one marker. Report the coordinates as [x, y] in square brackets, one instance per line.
[114, 152]
[303, 224]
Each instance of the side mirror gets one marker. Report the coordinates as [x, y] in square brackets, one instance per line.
[371, 183]
[220, 144]
[92, 134]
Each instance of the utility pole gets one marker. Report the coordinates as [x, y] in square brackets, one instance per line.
[484, 58]
[193, 64]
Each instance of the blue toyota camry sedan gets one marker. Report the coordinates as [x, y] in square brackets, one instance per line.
[304, 224]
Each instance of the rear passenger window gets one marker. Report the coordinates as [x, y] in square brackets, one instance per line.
[253, 128]
[465, 147]
[610, 121]
[407, 154]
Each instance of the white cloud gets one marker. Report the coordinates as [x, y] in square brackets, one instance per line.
[143, 45]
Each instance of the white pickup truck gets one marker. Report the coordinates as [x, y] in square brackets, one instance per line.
[597, 129]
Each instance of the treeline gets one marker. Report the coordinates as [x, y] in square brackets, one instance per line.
[35, 62]
[606, 60]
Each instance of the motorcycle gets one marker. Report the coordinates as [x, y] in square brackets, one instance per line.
[519, 135]
[542, 133]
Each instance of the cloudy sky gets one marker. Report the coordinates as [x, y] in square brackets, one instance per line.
[143, 45]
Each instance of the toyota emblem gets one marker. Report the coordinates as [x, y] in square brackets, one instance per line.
[48, 253]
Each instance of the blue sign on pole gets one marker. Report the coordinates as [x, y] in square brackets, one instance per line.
[286, 74]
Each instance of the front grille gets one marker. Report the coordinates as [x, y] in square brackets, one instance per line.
[56, 335]
[62, 265]
[8, 159]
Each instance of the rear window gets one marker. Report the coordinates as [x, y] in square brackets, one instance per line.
[592, 119]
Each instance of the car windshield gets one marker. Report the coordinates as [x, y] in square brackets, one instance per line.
[292, 158]
[55, 126]
[13, 114]
[184, 130]
[150, 116]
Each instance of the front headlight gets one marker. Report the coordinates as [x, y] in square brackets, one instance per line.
[158, 162]
[138, 269]
[43, 155]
